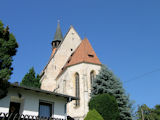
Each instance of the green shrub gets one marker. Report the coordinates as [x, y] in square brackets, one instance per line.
[93, 115]
[106, 106]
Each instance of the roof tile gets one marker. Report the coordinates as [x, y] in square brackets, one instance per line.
[84, 53]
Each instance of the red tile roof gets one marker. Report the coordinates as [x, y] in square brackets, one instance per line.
[83, 54]
[53, 51]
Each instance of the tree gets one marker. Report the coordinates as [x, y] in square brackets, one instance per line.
[107, 82]
[93, 115]
[31, 80]
[105, 105]
[156, 112]
[8, 48]
[148, 113]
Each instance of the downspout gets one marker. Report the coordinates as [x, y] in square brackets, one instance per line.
[55, 89]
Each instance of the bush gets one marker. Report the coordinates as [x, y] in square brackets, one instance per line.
[106, 106]
[93, 115]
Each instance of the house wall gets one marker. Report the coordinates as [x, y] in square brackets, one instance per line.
[67, 86]
[30, 102]
[71, 41]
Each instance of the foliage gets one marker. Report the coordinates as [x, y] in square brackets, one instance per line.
[8, 48]
[31, 80]
[148, 113]
[93, 115]
[156, 112]
[132, 107]
[106, 82]
[106, 105]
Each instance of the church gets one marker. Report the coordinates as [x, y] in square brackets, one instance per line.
[71, 68]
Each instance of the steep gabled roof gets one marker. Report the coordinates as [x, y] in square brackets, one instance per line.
[84, 53]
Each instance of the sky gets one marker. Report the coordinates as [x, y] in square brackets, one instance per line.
[125, 35]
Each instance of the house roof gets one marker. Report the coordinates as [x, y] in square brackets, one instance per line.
[83, 54]
[44, 91]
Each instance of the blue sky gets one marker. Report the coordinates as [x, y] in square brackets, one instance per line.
[124, 33]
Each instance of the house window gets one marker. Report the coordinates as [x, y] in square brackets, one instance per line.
[92, 77]
[65, 108]
[45, 109]
[77, 90]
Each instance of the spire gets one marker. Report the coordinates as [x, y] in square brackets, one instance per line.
[58, 35]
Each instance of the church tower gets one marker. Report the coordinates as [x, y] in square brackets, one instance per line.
[71, 69]
[58, 37]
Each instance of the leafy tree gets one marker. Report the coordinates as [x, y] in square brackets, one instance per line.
[107, 82]
[31, 80]
[93, 115]
[106, 105]
[156, 112]
[144, 112]
[148, 113]
[8, 48]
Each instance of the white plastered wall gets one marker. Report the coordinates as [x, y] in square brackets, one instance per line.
[67, 47]
[67, 86]
[29, 102]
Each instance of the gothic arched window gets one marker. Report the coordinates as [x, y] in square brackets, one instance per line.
[77, 88]
[92, 75]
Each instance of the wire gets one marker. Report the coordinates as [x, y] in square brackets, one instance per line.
[143, 75]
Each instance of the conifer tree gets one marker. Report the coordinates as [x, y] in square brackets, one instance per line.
[106, 82]
[8, 48]
[31, 80]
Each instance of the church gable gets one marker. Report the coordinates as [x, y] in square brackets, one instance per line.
[66, 48]
[59, 57]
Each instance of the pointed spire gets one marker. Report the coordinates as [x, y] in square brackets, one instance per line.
[58, 35]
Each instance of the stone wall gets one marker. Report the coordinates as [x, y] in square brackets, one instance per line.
[66, 84]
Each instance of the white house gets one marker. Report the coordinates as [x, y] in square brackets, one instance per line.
[35, 102]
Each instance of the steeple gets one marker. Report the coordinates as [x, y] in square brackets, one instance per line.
[58, 37]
